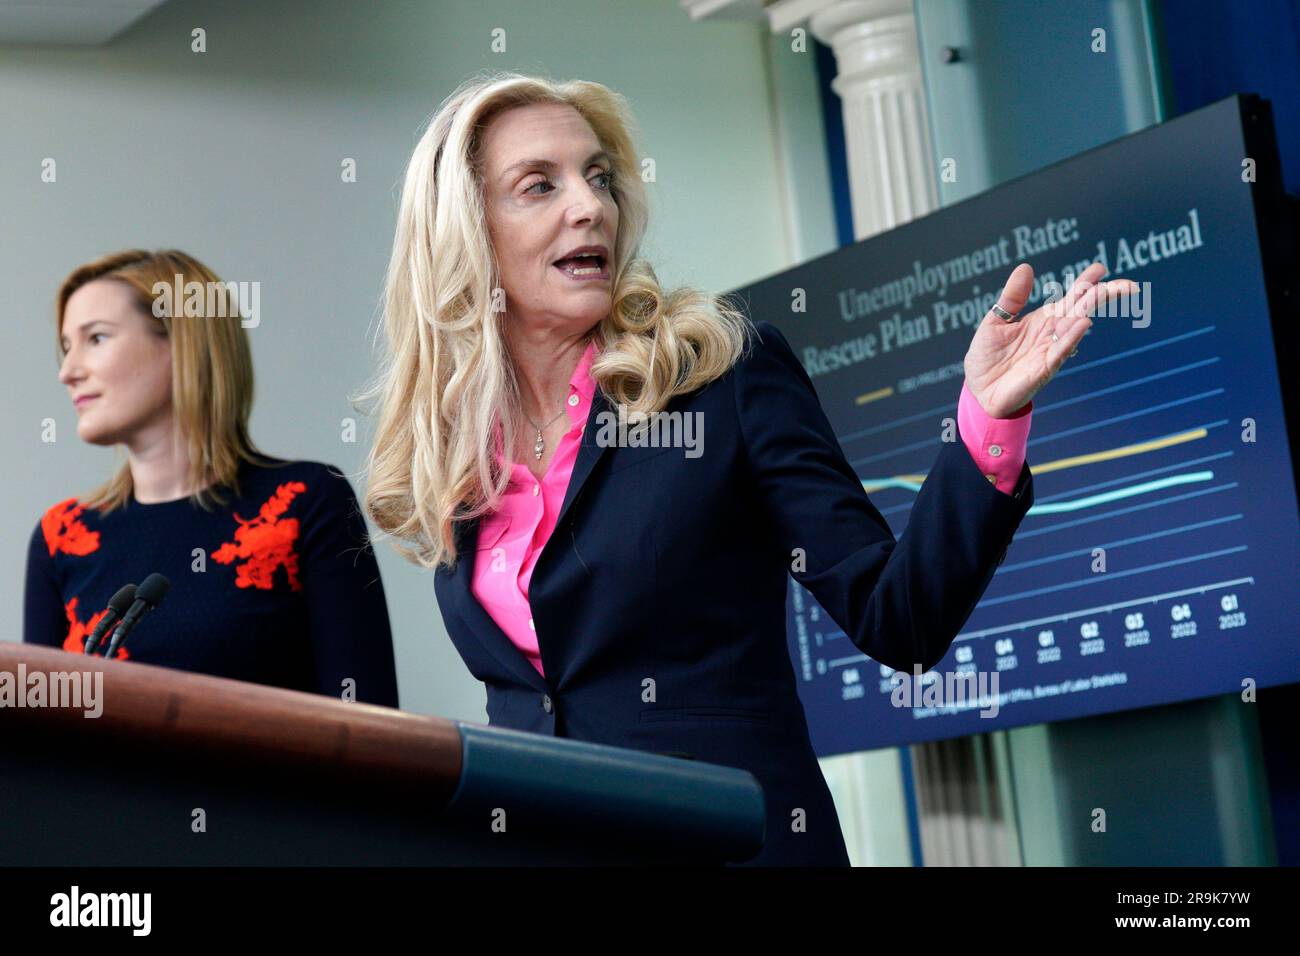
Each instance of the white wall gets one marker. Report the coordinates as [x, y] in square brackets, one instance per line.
[233, 155]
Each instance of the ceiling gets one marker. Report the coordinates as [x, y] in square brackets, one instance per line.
[68, 22]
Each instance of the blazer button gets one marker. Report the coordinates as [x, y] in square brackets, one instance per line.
[546, 703]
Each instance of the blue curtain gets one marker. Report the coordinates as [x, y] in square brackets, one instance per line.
[1214, 48]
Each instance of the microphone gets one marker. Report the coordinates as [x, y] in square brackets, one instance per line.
[118, 605]
[147, 597]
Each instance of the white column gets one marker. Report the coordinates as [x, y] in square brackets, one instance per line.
[886, 125]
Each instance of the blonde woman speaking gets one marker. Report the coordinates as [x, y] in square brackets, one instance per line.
[619, 592]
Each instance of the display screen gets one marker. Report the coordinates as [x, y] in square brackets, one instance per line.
[1159, 561]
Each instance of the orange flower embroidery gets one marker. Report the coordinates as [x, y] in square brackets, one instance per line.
[75, 642]
[64, 531]
[266, 542]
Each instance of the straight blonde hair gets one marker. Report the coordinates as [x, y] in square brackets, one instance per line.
[446, 380]
[212, 370]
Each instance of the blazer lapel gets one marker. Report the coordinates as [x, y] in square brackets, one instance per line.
[479, 621]
[481, 624]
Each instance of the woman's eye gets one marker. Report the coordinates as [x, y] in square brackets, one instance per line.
[607, 175]
[96, 335]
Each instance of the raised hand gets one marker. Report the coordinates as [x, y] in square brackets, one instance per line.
[1008, 363]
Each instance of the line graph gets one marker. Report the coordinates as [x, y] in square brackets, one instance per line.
[1139, 481]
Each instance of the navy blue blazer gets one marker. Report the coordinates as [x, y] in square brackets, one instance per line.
[659, 599]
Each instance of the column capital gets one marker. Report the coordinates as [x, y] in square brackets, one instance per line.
[825, 17]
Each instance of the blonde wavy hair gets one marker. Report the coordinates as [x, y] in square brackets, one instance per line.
[446, 380]
[212, 370]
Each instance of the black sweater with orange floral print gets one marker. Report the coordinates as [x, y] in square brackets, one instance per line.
[277, 586]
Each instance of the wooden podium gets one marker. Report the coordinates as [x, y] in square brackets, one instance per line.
[186, 769]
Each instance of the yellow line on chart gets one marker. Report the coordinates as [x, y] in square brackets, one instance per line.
[1123, 451]
[874, 396]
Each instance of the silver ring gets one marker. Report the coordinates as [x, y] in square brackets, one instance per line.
[1003, 313]
[1055, 337]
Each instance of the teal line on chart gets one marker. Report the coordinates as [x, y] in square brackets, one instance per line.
[1078, 504]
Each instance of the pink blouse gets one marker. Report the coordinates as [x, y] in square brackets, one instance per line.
[515, 534]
